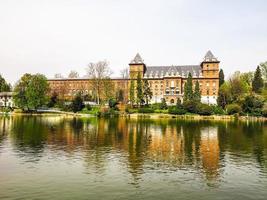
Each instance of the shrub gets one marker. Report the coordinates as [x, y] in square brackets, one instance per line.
[217, 110]
[112, 103]
[176, 111]
[156, 106]
[190, 106]
[88, 107]
[145, 110]
[252, 104]
[204, 109]
[264, 112]
[233, 109]
[163, 104]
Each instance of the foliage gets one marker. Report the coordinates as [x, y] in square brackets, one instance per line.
[145, 110]
[221, 77]
[30, 92]
[120, 95]
[176, 111]
[179, 104]
[77, 103]
[139, 88]
[197, 94]
[53, 100]
[147, 92]
[224, 96]
[112, 103]
[217, 110]
[238, 87]
[163, 104]
[132, 93]
[188, 89]
[4, 86]
[264, 111]
[204, 109]
[190, 106]
[233, 109]
[257, 82]
[252, 104]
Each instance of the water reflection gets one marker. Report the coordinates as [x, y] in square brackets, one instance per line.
[140, 145]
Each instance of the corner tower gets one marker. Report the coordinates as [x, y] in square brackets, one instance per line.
[137, 66]
[210, 66]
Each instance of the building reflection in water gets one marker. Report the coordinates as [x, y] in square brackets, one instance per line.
[138, 144]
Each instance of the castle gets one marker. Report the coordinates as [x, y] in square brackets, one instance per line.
[165, 81]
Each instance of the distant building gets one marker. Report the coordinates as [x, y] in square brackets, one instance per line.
[165, 81]
[6, 99]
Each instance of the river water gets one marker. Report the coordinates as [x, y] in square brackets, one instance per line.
[71, 158]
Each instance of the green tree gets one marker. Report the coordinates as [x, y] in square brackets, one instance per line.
[188, 89]
[221, 77]
[147, 92]
[53, 100]
[77, 103]
[31, 91]
[224, 96]
[139, 88]
[197, 93]
[238, 87]
[37, 90]
[163, 104]
[257, 82]
[120, 95]
[132, 92]
[4, 86]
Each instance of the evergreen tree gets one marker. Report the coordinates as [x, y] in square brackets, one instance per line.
[4, 86]
[147, 91]
[132, 92]
[197, 93]
[179, 104]
[139, 87]
[163, 104]
[221, 77]
[188, 89]
[257, 82]
[77, 103]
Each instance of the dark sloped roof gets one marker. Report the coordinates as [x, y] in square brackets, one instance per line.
[179, 70]
[210, 57]
[137, 59]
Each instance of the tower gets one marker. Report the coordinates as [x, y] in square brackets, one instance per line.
[137, 66]
[210, 66]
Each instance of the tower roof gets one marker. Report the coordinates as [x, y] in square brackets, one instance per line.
[137, 59]
[209, 57]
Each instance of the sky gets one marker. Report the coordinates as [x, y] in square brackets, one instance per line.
[57, 36]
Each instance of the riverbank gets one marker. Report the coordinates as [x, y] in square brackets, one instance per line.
[146, 116]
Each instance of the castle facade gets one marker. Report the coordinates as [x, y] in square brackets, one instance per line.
[165, 81]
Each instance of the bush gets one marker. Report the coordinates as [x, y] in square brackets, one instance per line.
[112, 103]
[190, 106]
[264, 112]
[204, 109]
[145, 110]
[156, 106]
[217, 110]
[253, 105]
[88, 107]
[163, 104]
[233, 109]
[176, 111]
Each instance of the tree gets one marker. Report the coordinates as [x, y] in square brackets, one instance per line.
[139, 88]
[197, 93]
[36, 91]
[188, 89]
[4, 86]
[125, 73]
[53, 100]
[31, 91]
[224, 96]
[252, 104]
[221, 77]
[58, 76]
[257, 82]
[132, 92]
[108, 89]
[73, 74]
[120, 95]
[77, 103]
[163, 104]
[263, 67]
[147, 91]
[98, 73]
[238, 87]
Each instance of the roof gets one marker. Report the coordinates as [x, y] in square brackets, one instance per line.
[137, 59]
[169, 71]
[210, 57]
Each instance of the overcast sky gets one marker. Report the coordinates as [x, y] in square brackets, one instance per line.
[56, 36]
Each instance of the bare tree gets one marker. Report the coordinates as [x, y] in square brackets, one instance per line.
[58, 75]
[73, 74]
[98, 73]
[125, 73]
